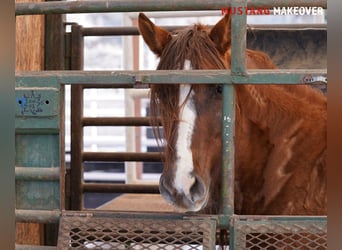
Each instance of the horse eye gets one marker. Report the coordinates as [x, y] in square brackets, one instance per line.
[219, 89]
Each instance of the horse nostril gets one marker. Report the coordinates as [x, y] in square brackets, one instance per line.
[197, 190]
[164, 188]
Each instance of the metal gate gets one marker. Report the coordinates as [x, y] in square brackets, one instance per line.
[39, 140]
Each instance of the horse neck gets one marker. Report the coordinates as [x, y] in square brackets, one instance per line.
[274, 125]
[276, 106]
[281, 110]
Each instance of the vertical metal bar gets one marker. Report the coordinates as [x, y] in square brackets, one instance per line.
[238, 67]
[54, 42]
[54, 60]
[238, 50]
[228, 118]
[76, 171]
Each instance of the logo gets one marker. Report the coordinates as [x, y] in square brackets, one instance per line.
[298, 11]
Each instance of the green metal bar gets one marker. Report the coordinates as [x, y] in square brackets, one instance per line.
[145, 77]
[37, 216]
[34, 247]
[136, 215]
[238, 67]
[280, 217]
[37, 150]
[37, 174]
[238, 37]
[228, 125]
[55, 7]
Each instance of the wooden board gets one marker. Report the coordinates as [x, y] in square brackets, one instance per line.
[138, 203]
[29, 57]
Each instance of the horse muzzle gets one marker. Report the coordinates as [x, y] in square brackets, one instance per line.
[193, 198]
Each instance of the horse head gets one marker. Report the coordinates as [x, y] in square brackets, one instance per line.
[190, 113]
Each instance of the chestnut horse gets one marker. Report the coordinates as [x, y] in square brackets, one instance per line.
[280, 130]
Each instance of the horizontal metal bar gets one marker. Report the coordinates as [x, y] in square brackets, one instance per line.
[95, 213]
[37, 216]
[120, 188]
[34, 247]
[295, 26]
[280, 76]
[109, 85]
[62, 7]
[281, 217]
[122, 156]
[93, 85]
[224, 220]
[116, 121]
[134, 31]
[80, 77]
[120, 31]
[37, 174]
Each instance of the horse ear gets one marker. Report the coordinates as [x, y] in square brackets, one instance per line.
[221, 34]
[155, 37]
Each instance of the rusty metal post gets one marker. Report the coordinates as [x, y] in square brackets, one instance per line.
[54, 52]
[76, 175]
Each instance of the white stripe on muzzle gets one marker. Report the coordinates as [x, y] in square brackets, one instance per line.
[184, 179]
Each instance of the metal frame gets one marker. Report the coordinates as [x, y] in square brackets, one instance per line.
[78, 122]
[55, 7]
[237, 75]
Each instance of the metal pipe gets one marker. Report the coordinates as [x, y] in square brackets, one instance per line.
[116, 121]
[239, 35]
[228, 150]
[120, 188]
[122, 156]
[76, 172]
[121, 31]
[63, 7]
[37, 174]
[279, 76]
[34, 247]
[134, 31]
[108, 86]
[37, 216]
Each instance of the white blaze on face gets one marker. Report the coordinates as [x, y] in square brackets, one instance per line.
[187, 115]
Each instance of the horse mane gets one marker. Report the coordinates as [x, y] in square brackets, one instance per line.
[195, 45]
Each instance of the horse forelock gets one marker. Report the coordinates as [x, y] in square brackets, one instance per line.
[193, 44]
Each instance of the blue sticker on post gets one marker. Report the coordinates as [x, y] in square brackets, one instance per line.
[31, 103]
[36, 102]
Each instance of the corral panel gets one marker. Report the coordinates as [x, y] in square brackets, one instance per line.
[101, 231]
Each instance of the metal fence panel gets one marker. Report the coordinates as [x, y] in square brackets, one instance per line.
[102, 231]
[279, 232]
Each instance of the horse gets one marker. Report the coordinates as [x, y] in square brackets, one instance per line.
[280, 130]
